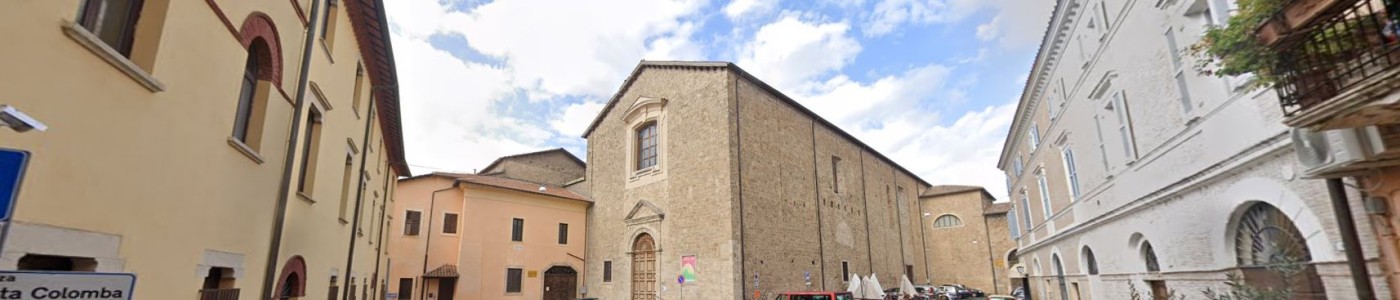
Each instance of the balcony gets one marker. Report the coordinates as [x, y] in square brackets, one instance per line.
[1338, 65]
[218, 294]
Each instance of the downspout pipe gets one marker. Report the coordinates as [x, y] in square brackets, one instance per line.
[428, 239]
[991, 257]
[359, 200]
[379, 236]
[1352, 244]
[923, 239]
[280, 213]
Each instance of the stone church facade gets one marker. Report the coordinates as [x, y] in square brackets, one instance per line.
[701, 162]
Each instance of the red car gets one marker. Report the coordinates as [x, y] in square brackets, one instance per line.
[840, 295]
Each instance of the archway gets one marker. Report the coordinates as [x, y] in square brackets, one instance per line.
[1272, 253]
[560, 283]
[643, 268]
[292, 283]
[1060, 276]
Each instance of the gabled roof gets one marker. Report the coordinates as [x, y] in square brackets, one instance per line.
[445, 271]
[372, 33]
[711, 65]
[541, 152]
[954, 189]
[511, 184]
[997, 208]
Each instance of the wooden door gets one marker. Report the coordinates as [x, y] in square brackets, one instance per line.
[644, 268]
[560, 283]
[447, 287]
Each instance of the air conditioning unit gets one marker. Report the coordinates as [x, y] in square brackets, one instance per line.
[1345, 152]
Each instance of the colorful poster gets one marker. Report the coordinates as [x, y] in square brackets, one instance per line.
[688, 268]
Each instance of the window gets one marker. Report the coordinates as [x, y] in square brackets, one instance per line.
[1183, 93]
[345, 185]
[41, 262]
[607, 271]
[646, 146]
[112, 21]
[246, 96]
[517, 230]
[845, 271]
[218, 278]
[1103, 150]
[328, 24]
[449, 223]
[1119, 106]
[946, 221]
[1017, 166]
[512, 280]
[1149, 257]
[308, 153]
[1071, 172]
[836, 174]
[411, 219]
[1026, 210]
[1050, 106]
[1044, 193]
[563, 234]
[406, 288]
[1013, 224]
[1091, 265]
[1034, 137]
[359, 87]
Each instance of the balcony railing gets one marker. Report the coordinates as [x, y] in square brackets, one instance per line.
[218, 294]
[1344, 46]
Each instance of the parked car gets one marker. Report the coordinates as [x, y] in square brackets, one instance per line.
[958, 292]
[834, 295]
[1019, 293]
[1001, 297]
[893, 294]
[927, 290]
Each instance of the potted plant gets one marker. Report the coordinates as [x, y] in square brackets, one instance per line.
[1235, 49]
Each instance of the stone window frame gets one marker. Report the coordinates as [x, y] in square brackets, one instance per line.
[643, 112]
[955, 218]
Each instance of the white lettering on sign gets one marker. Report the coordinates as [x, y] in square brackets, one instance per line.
[21, 285]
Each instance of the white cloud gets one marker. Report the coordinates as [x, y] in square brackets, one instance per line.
[965, 152]
[740, 9]
[788, 53]
[888, 15]
[1018, 23]
[990, 30]
[576, 118]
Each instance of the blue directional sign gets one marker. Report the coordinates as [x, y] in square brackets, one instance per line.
[12, 165]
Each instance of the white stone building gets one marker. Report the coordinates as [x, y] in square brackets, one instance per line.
[1153, 175]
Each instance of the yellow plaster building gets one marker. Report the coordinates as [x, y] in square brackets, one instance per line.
[199, 144]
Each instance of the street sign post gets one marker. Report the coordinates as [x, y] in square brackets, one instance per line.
[13, 162]
[27, 285]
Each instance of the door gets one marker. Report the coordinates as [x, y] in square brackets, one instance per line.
[643, 268]
[447, 287]
[560, 283]
[1159, 289]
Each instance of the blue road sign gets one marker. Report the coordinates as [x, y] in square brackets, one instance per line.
[12, 165]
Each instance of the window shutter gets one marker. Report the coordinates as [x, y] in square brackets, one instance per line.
[449, 223]
[563, 234]
[411, 221]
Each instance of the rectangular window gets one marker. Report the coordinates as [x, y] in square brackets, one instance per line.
[845, 271]
[406, 288]
[411, 219]
[1071, 172]
[112, 21]
[836, 174]
[1044, 193]
[1050, 106]
[517, 230]
[1125, 127]
[1013, 224]
[512, 280]
[1183, 93]
[607, 271]
[646, 146]
[309, 151]
[449, 223]
[1034, 137]
[359, 88]
[563, 234]
[328, 24]
[1103, 150]
[1026, 210]
[1017, 166]
[1172, 50]
[345, 184]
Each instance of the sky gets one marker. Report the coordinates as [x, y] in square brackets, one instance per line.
[932, 84]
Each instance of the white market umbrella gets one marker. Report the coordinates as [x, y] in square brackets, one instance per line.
[905, 287]
[854, 286]
[872, 288]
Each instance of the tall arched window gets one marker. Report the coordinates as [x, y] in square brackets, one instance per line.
[646, 146]
[946, 221]
[1060, 276]
[1149, 257]
[1091, 265]
[247, 93]
[1267, 243]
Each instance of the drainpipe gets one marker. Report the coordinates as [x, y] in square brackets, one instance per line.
[1357, 263]
[923, 239]
[384, 211]
[428, 240]
[991, 257]
[359, 197]
[280, 214]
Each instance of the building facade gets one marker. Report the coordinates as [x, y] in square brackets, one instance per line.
[487, 237]
[699, 169]
[967, 238]
[1130, 171]
[196, 144]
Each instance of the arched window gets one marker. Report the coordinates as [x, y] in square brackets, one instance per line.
[646, 146]
[289, 290]
[1091, 264]
[247, 94]
[1267, 242]
[262, 74]
[1060, 276]
[945, 221]
[1149, 257]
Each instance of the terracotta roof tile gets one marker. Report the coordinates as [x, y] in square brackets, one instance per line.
[518, 185]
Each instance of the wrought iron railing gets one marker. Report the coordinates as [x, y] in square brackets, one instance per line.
[218, 294]
[1343, 46]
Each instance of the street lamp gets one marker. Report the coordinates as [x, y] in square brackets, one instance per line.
[18, 121]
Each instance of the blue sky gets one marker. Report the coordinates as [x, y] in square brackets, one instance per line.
[930, 83]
